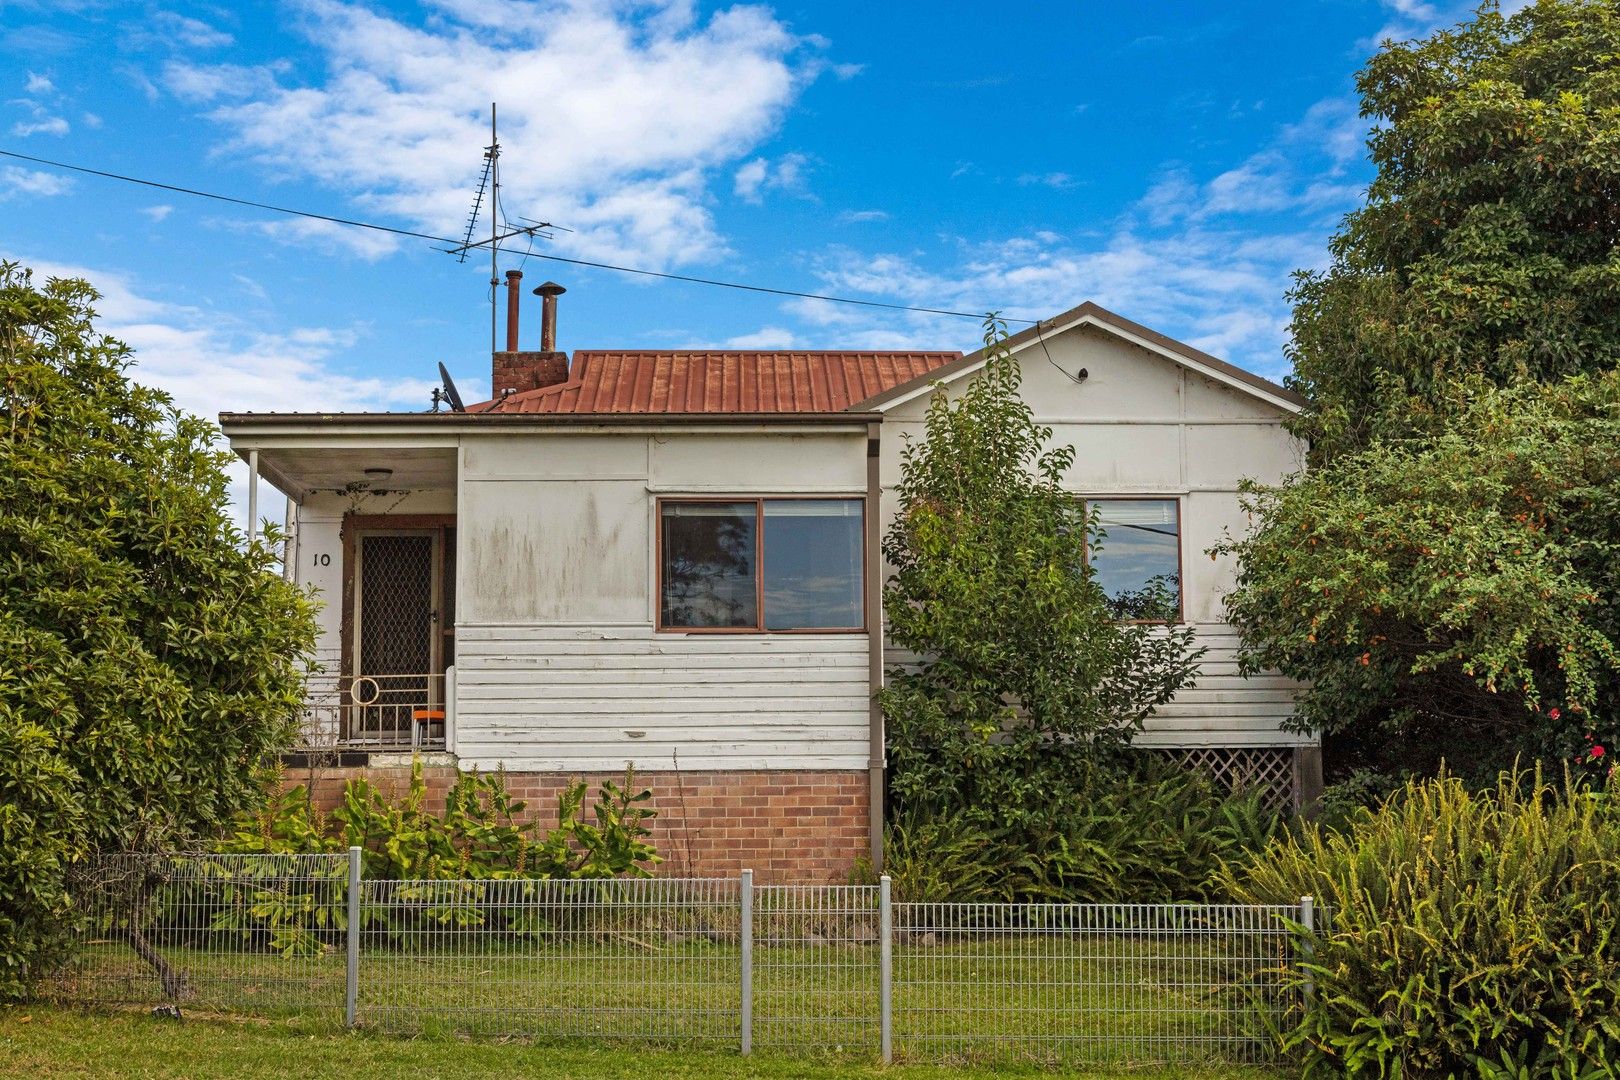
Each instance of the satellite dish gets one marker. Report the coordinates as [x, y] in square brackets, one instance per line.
[450, 394]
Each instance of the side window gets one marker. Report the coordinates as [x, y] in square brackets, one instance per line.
[1137, 558]
[762, 564]
[707, 565]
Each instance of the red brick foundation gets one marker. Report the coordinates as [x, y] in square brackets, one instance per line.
[786, 826]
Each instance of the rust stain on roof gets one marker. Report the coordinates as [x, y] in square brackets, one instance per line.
[603, 381]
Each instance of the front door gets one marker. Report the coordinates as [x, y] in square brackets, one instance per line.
[401, 634]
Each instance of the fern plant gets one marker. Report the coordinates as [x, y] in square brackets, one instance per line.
[1473, 934]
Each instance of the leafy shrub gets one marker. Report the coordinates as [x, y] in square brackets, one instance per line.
[1026, 680]
[1473, 934]
[1485, 244]
[480, 835]
[1138, 830]
[151, 662]
[1455, 599]
[441, 861]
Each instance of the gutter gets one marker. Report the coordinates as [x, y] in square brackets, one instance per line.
[460, 423]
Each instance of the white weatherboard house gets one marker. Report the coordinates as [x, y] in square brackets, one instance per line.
[671, 560]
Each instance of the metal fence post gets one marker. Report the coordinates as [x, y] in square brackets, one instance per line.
[885, 969]
[1307, 916]
[745, 937]
[351, 988]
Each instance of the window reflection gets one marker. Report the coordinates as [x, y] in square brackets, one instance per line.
[1137, 558]
[708, 565]
[813, 553]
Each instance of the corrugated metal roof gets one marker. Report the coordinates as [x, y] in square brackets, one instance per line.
[602, 381]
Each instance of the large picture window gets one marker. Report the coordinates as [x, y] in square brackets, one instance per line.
[761, 564]
[1138, 558]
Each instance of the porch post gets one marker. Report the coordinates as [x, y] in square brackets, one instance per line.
[253, 496]
[876, 752]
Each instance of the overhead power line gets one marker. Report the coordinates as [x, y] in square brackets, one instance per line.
[457, 246]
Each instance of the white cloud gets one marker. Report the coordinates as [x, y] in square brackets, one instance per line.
[15, 181]
[188, 31]
[211, 362]
[786, 174]
[1302, 170]
[328, 237]
[251, 287]
[1174, 195]
[45, 125]
[854, 216]
[1058, 180]
[1418, 18]
[769, 337]
[1333, 126]
[749, 179]
[1220, 290]
[159, 212]
[39, 84]
[212, 83]
[612, 115]
[90, 120]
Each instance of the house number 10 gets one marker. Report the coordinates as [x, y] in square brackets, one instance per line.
[322, 559]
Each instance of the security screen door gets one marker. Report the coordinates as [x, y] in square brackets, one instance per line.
[400, 644]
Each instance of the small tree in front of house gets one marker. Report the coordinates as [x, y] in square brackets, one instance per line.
[1026, 681]
[151, 663]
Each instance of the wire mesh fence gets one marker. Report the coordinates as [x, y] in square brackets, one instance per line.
[718, 962]
[654, 959]
[1058, 982]
[815, 967]
[256, 934]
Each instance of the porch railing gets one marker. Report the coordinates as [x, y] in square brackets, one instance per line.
[375, 712]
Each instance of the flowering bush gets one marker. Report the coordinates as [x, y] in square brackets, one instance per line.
[1455, 600]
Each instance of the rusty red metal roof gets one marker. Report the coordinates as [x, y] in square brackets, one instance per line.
[602, 381]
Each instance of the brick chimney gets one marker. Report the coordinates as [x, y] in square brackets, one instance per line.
[518, 370]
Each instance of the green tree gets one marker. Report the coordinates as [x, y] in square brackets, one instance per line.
[1455, 597]
[151, 662]
[1025, 680]
[1487, 242]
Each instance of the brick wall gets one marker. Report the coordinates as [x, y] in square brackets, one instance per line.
[527, 370]
[786, 826]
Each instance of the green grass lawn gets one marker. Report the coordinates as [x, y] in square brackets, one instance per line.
[45, 1043]
[1059, 1001]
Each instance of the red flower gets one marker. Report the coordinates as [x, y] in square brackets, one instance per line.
[1597, 752]
[1553, 713]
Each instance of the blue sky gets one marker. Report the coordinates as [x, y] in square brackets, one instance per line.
[1172, 161]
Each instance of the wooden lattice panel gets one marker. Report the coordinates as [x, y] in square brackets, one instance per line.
[1269, 769]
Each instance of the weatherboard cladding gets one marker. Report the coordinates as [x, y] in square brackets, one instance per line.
[724, 382]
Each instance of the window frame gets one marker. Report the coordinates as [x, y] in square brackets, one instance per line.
[759, 502]
[1181, 555]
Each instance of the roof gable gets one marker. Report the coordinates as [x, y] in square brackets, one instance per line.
[1090, 314]
[704, 381]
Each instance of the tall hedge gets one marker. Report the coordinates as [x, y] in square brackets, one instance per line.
[151, 662]
[1485, 246]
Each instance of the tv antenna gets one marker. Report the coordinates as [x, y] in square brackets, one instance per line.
[490, 181]
[478, 196]
[492, 157]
